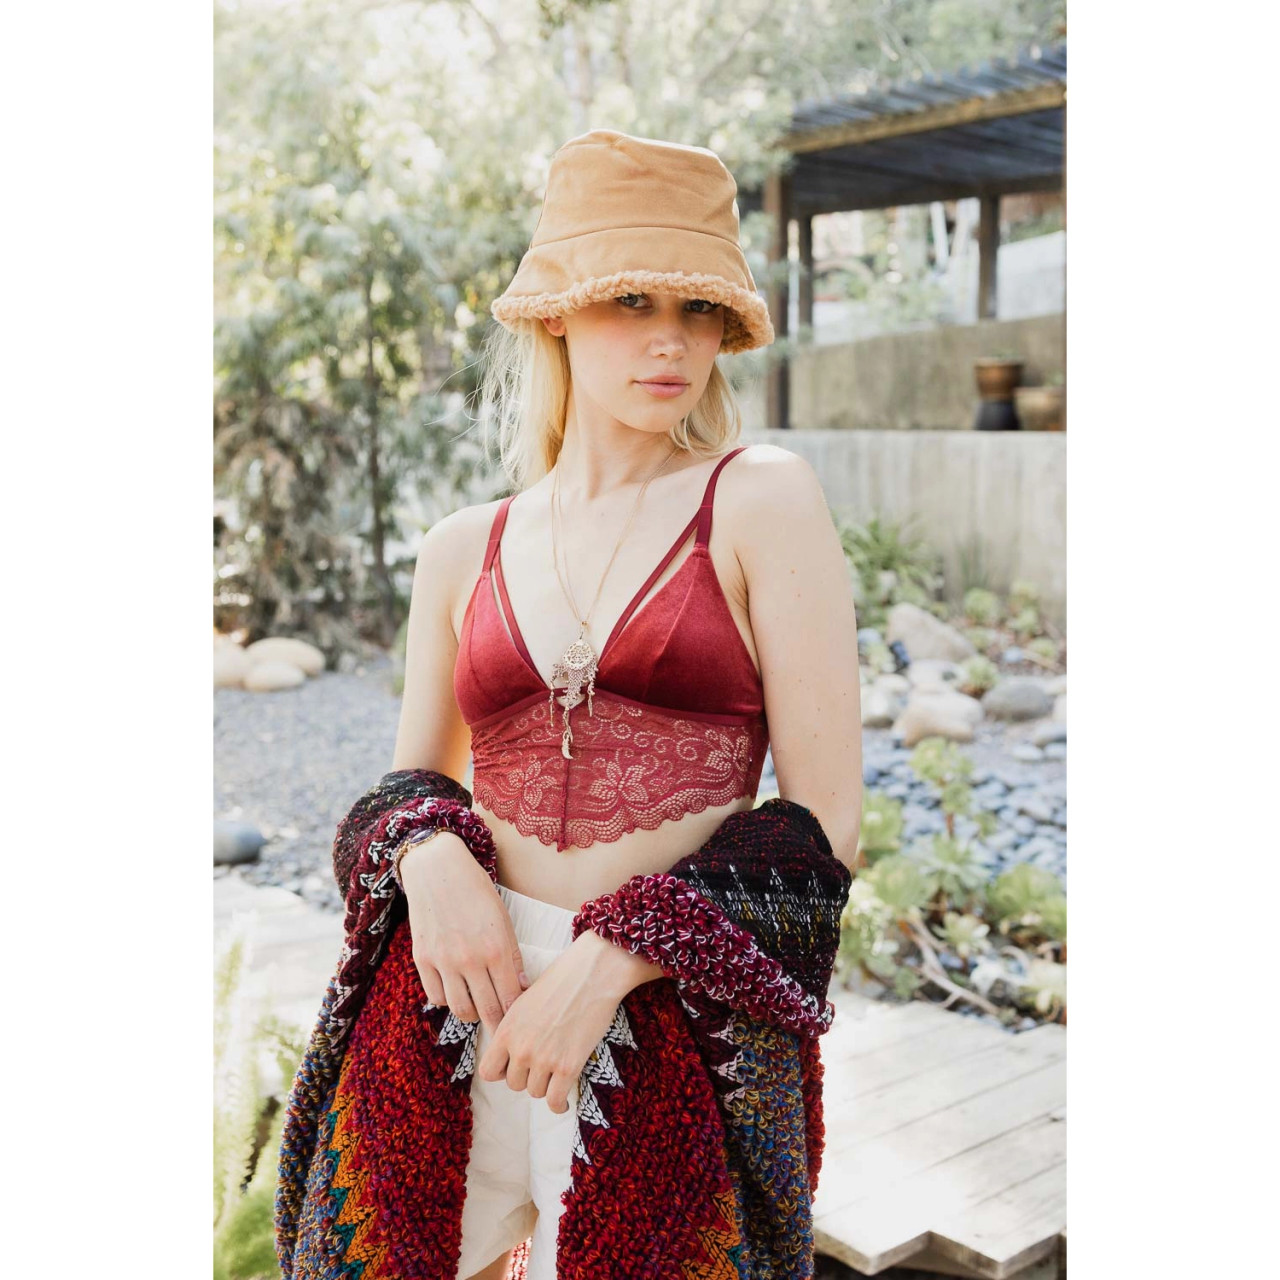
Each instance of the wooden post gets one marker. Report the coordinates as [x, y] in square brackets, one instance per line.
[988, 247]
[805, 225]
[777, 199]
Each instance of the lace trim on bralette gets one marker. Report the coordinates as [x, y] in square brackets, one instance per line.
[633, 767]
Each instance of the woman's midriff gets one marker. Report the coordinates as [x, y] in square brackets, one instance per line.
[569, 877]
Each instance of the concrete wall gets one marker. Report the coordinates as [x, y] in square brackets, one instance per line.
[922, 379]
[999, 495]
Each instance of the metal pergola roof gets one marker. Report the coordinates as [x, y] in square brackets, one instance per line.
[986, 133]
[990, 131]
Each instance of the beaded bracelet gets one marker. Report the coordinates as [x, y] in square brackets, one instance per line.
[450, 815]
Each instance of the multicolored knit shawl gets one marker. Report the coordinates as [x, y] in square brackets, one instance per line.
[699, 1124]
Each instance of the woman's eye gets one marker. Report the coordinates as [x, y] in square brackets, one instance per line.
[706, 307]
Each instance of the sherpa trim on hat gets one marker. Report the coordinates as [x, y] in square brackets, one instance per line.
[746, 318]
[623, 214]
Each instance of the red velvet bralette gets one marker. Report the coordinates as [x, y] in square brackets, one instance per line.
[677, 721]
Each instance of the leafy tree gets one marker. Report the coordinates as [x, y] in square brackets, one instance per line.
[378, 174]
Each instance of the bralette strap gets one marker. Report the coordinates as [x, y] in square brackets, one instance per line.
[704, 511]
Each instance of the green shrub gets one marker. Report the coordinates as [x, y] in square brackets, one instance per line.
[951, 869]
[1023, 593]
[247, 1123]
[982, 638]
[900, 883]
[881, 831]
[891, 567]
[977, 675]
[1045, 987]
[1026, 622]
[880, 658]
[863, 930]
[982, 606]
[1028, 900]
[966, 934]
[1044, 647]
[924, 919]
[941, 762]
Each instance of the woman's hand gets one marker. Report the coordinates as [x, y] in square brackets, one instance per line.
[548, 1034]
[464, 944]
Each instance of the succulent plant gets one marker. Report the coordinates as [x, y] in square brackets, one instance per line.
[952, 869]
[1023, 592]
[966, 934]
[982, 606]
[881, 831]
[1029, 900]
[900, 883]
[1044, 647]
[1045, 987]
[977, 675]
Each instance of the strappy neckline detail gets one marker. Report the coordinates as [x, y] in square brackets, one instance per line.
[701, 520]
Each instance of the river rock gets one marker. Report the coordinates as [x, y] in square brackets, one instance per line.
[894, 682]
[306, 657]
[933, 675]
[1017, 698]
[943, 715]
[1060, 707]
[925, 636]
[879, 707]
[272, 675]
[1034, 806]
[229, 666]
[1047, 731]
[235, 842]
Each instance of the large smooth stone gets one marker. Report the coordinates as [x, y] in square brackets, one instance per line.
[229, 666]
[235, 842]
[925, 636]
[270, 676]
[1017, 698]
[306, 657]
[942, 715]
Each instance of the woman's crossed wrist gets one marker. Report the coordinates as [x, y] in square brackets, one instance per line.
[413, 842]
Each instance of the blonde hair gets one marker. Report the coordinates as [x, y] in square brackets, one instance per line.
[524, 401]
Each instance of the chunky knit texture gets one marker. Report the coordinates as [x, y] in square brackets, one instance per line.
[699, 1124]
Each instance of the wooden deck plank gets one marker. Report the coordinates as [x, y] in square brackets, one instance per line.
[867, 1115]
[939, 1126]
[861, 1026]
[1011, 1230]
[853, 1170]
[920, 1208]
[870, 1074]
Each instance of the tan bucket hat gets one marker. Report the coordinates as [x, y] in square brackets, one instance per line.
[634, 215]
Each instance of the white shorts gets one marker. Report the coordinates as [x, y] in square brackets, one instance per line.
[520, 1148]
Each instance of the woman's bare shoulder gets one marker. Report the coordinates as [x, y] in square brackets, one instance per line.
[451, 553]
[462, 535]
[763, 483]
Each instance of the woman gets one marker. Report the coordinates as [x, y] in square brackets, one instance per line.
[616, 690]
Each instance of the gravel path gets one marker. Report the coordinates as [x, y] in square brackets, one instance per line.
[292, 763]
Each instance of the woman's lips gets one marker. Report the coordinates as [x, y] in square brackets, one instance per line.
[665, 390]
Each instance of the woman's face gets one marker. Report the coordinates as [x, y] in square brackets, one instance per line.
[618, 345]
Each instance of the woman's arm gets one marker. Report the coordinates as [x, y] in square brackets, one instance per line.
[432, 733]
[806, 635]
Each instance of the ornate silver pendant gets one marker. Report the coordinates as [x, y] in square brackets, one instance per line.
[576, 668]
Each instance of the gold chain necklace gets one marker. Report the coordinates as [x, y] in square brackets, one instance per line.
[578, 665]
